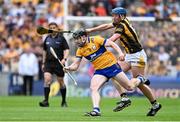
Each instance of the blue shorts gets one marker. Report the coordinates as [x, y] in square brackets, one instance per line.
[109, 72]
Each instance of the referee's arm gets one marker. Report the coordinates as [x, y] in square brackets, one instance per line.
[44, 57]
[66, 53]
[66, 50]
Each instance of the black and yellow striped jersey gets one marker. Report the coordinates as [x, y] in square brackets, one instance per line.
[128, 39]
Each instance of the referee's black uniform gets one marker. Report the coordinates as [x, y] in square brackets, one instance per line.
[59, 44]
[52, 66]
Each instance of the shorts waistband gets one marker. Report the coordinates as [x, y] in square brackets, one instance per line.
[135, 51]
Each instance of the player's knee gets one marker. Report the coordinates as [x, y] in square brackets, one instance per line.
[47, 78]
[93, 88]
[61, 81]
[129, 88]
[47, 81]
[62, 84]
[47, 84]
[133, 80]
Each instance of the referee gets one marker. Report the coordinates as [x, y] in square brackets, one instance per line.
[51, 65]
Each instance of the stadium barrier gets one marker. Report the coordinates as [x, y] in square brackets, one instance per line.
[4, 83]
[163, 87]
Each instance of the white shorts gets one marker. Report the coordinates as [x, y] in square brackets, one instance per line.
[138, 59]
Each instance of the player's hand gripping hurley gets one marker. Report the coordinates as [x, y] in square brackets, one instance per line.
[54, 54]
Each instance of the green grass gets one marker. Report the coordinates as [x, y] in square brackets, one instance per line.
[20, 108]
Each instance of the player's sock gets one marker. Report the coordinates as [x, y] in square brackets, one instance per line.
[96, 109]
[153, 102]
[125, 99]
[124, 95]
[46, 93]
[63, 93]
[142, 79]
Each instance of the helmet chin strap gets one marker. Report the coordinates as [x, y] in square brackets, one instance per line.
[84, 40]
[82, 43]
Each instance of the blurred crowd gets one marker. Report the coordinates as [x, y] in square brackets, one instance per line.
[150, 8]
[18, 22]
[19, 19]
[161, 41]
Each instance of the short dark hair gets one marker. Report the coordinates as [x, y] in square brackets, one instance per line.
[53, 23]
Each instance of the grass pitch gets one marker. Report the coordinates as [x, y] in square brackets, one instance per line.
[21, 108]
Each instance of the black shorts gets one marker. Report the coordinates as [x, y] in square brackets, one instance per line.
[54, 67]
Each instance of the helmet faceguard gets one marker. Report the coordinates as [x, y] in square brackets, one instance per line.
[77, 34]
[77, 37]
